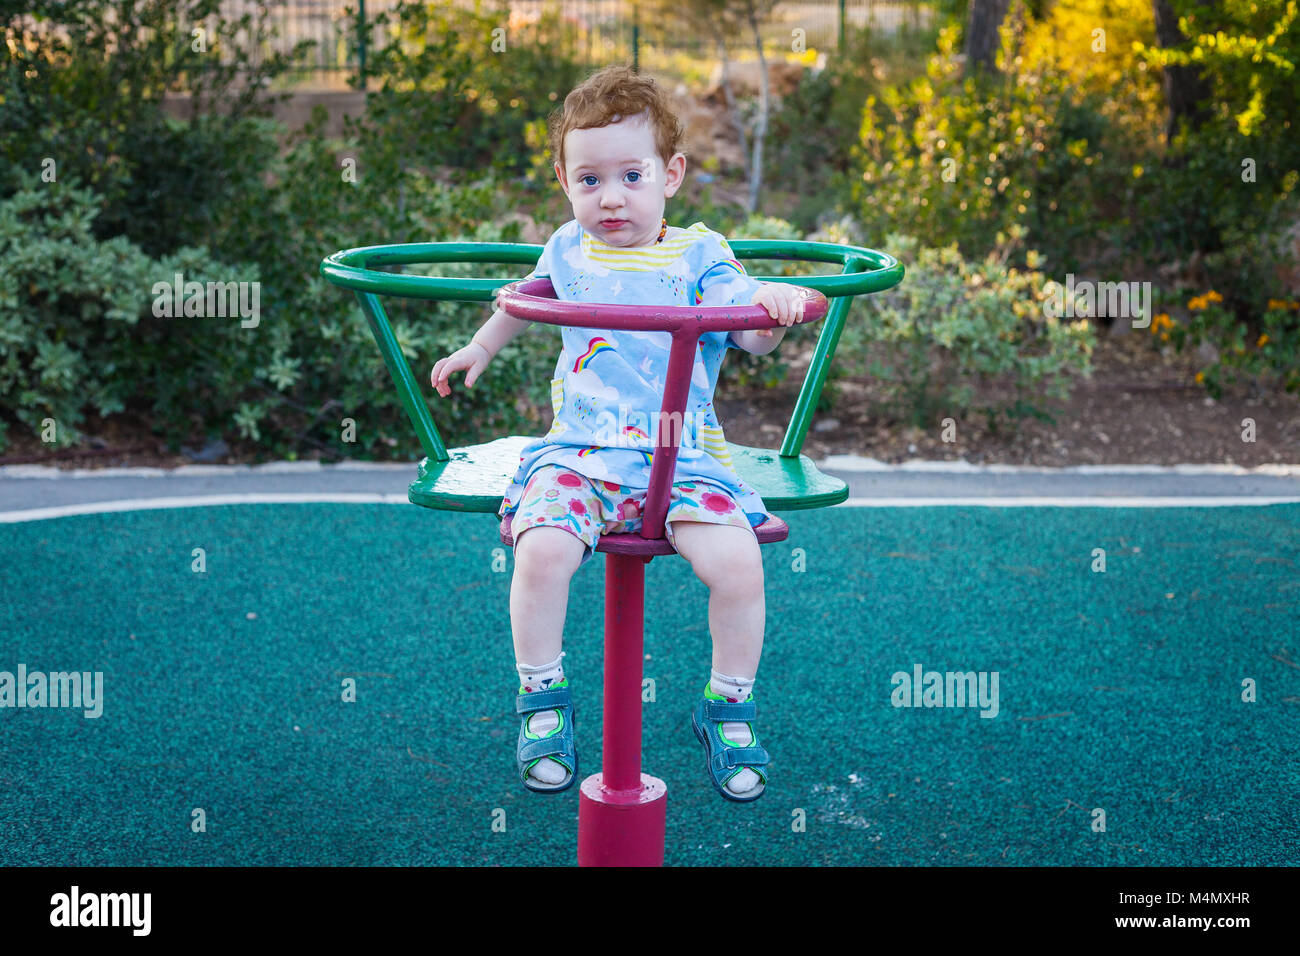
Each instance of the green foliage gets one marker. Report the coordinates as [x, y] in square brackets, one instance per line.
[957, 160]
[85, 90]
[1249, 50]
[1066, 140]
[76, 324]
[454, 109]
[956, 330]
[1228, 187]
[811, 133]
[1236, 353]
[455, 93]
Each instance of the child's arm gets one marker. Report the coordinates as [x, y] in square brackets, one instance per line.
[784, 304]
[490, 339]
[497, 332]
[758, 341]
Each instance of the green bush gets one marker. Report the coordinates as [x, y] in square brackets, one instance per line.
[85, 90]
[955, 330]
[452, 92]
[1260, 358]
[812, 132]
[957, 160]
[76, 324]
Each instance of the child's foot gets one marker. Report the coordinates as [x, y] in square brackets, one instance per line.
[539, 726]
[545, 772]
[735, 758]
[545, 754]
[745, 782]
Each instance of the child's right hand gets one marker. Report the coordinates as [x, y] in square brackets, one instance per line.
[472, 359]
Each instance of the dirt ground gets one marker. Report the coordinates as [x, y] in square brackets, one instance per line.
[1139, 407]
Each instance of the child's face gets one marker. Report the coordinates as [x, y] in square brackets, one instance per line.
[617, 181]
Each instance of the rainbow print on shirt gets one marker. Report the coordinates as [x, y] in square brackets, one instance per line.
[732, 264]
[594, 348]
[637, 432]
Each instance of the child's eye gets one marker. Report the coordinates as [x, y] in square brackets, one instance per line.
[636, 174]
[584, 179]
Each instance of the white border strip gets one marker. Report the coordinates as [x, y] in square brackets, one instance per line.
[856, 463]
[207, 501]
[1090, 501]
[200, 501]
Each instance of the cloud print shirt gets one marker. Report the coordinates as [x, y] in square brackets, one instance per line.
[607, 389]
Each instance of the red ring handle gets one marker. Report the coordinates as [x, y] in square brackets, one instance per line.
[535, 301]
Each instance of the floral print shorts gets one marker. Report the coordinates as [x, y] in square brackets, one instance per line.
[588, 508]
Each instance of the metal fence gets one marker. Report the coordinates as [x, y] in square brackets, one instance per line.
[606, 30]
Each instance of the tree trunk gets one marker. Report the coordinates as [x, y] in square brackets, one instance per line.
[982, 33]
[730, 101]
[1187, 93]
[760, 128]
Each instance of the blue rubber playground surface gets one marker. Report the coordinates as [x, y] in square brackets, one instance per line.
[1118, 691]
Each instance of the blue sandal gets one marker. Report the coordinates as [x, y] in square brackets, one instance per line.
[725, 759]
[557, 745]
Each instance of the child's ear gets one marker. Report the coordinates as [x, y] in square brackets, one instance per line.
[674, 173]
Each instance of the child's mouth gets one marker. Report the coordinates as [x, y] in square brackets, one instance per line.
[613, 223]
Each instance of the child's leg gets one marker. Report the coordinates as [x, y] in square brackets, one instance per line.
[555, 530]
[726, 558]
[545, 559]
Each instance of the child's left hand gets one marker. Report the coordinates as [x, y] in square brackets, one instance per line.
[783, 302]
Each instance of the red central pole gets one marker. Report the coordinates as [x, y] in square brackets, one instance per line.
[622, 812]
[624, 649]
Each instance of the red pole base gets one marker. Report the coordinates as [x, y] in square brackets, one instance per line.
[622, 827]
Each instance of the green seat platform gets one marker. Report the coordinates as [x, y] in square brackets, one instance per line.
[475, 477]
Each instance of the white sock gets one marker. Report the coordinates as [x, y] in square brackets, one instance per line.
[738, 732]
[543, 722]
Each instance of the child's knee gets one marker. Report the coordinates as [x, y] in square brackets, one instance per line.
[723, 557]
[546, 553]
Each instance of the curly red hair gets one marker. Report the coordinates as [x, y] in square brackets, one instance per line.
[609, 95]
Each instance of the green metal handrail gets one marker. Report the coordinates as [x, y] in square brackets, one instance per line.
[864, 271]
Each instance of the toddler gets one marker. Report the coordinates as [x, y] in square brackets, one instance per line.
[617, 146]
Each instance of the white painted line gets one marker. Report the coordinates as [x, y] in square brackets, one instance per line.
[198, 501]
[857, 463]
[1091, 501]
[207, 501]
